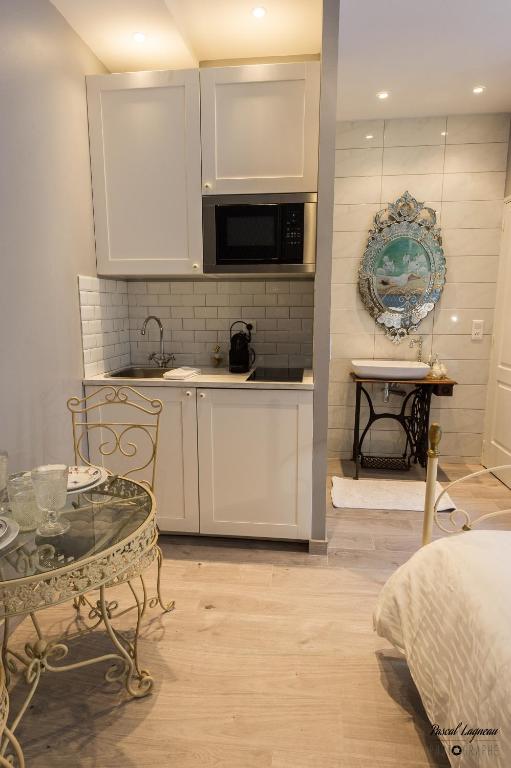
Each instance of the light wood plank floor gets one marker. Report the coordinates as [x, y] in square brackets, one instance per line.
[268, 661]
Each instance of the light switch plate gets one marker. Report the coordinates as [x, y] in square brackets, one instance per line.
[477, 330]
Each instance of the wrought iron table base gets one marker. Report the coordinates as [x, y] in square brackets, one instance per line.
[415, 426]
[43, 655]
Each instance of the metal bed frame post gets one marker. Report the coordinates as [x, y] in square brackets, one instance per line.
[435, 434]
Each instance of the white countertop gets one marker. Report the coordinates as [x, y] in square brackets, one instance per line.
[210, 377]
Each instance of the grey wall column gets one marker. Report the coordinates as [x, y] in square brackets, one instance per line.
[322, 287]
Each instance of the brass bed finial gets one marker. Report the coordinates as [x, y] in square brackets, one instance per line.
[435, 435]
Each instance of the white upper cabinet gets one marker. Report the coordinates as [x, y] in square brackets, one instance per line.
[259, 128]
[146, 172]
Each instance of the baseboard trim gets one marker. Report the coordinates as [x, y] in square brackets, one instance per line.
[318, 546]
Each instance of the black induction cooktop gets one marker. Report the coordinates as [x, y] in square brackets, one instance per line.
[276, 374]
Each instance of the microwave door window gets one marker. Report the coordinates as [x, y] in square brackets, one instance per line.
[247, 235]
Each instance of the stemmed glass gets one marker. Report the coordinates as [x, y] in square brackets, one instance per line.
[50, 488]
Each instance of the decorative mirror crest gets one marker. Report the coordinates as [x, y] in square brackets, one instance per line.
[403, 268]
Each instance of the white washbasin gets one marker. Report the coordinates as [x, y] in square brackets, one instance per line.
[392, 370]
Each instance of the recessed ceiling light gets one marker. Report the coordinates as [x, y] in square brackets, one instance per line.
[478, 89]
[139, 37]
[383, 95]
[259, 11]
[369, 136]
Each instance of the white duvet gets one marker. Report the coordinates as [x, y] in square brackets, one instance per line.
[448, 609]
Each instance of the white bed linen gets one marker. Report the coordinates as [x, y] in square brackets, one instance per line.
[448, 609]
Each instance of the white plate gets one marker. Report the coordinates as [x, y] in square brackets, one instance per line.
[12, 531]
[84, 478]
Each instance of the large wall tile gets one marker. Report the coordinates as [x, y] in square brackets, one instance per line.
[472, 269]
[467, 295]
[358, 190]
[464, 172]
[415, 132]
[422, 187]
[349, 135]
[354, 218]
[358, 162]
[467, 371]
[468, 129]
[459, 321]
[349, 245]
[461, 347]
[412, 160]
[474, 186]
[461, 158]
[355, 345]
[479, 214]
[471, 242]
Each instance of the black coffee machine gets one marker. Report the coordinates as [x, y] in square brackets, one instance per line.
[241, 356]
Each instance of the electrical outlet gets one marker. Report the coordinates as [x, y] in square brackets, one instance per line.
[477, 330]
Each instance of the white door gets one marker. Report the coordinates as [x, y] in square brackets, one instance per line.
[259, 128]
[146, 172]
[255, 459]
[497, 439]
[176, 483]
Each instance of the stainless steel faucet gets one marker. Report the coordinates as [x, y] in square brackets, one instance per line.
[161, 358]
[417, 342]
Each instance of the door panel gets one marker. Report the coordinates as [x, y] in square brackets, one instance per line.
[497, 439]
[145, 160]
[255, 457]
[176, 483]
[259, 128]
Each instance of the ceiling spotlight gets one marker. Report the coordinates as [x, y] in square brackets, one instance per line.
[369, 136]
[383, 95]
[478, 89]
[139, 37]
[259, 11]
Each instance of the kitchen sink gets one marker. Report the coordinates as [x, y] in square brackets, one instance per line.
[134, 372]
[391, 370]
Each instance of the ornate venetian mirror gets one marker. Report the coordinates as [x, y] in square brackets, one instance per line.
[403, 268]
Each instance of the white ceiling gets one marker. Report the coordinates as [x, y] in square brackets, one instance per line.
[428, 55]
[181, 33]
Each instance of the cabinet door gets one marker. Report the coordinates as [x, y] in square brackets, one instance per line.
[176, 483]
[255, 458]
[146, 172]
[259, 127]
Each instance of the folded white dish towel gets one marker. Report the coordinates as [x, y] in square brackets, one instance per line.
[182, 373]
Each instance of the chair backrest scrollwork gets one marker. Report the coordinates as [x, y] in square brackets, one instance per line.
[95, 433]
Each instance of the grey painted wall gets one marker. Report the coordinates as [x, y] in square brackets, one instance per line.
[321, 328]
[46, 230]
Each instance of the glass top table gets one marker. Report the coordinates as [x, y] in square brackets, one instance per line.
[111, 540]
[111, 527]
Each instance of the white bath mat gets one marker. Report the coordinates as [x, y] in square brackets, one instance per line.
[407, 495]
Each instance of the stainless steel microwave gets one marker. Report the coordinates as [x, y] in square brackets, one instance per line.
[259, 233]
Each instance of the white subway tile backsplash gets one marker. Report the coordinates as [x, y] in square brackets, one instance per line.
[357, 190]
[426, 186]
[354, 218]
[479, 214]
[196, 315]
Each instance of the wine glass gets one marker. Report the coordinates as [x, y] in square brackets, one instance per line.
[50, 488]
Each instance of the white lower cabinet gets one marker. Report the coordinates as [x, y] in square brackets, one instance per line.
[255, 459]
[176, 483]
[244, 457]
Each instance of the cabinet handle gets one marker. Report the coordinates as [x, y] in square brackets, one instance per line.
[207, 185]
[195, 266]
[188, 393]
[202, 394]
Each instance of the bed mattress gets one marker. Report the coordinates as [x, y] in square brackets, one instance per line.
[448, 609]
